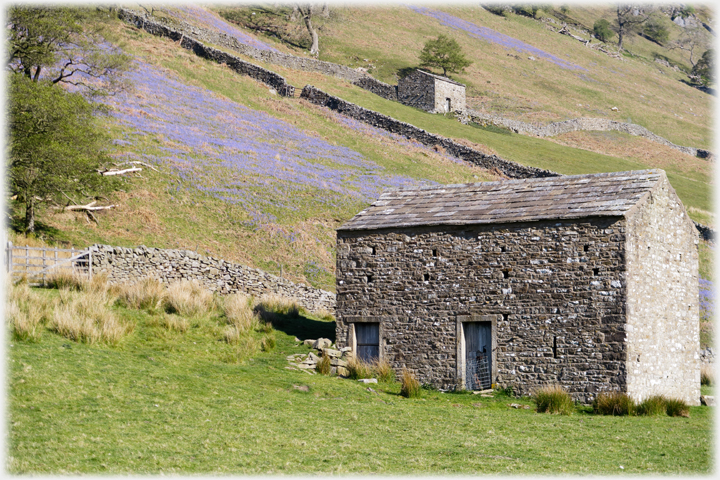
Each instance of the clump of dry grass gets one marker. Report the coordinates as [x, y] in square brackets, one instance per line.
[238, 311]
[174, 323]
[676, 408]
[383, 371]
[147, 294]
[245, 346]
[25, 320]
[409, 385]
[359, 369]
[614, 403]
[323, 366]
[553, 399]
[87, 318]
[66, 279]
[188, 298]
[269, 307]
[707, 375]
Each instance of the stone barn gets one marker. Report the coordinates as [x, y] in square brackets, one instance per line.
[432, 93]
[587, 281]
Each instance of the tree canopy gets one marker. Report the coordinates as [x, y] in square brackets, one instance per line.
[445, 53]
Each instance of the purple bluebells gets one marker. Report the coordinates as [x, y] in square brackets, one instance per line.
[239, 155]
[196, 15]
[492, 36]
[707, 300]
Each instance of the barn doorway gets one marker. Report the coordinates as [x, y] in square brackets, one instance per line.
[367, 340]
[447, 105]
[478, 355]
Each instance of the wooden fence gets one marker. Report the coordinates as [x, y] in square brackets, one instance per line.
[37, 263]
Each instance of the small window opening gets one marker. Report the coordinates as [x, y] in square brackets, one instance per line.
[373, 250]
[426, 276]
[447, 105]
[369, 279]
[586, 248]
[434, 252]
[503, 249]
[505, 316]
[554, 347]
[596, 271]
[506, 273]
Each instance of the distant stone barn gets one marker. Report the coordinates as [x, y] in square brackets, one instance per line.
[432, 93]
[587, 281]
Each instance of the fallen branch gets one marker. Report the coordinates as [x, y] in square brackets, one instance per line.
[89, 207]
[120, 172]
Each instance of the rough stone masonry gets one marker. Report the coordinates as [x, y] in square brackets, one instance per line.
[588, 281]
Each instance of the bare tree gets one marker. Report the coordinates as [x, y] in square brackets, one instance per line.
[693, 41]
[628, 18]
[307, 11]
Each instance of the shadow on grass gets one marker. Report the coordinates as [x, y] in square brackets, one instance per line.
[303, 327]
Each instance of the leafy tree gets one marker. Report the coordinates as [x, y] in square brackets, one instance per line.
[656, 30]
[704, 68]
[54, 146]
[63, 45]
[444, 53]
[629, 18]
[602, 31]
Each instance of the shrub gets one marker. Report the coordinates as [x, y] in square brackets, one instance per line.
[323, 366]
[602, 30]
[409, 385]
[614, 403]
[147, 294]
[707, 376]
[188, 299]
[676, 408]
[654, 405]
[553, 399]
[359, 369]
[383, 371]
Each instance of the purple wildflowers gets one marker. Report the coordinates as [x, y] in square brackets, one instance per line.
[492, 36]
[707, 300]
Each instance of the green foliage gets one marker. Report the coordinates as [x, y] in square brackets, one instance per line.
[323, 366]
[409, 385]
[553, 399]
[602, 30]
[654, 405]
[676, 408]
[615, 403]
[704, 68]
[657, 30]
[359, 369]
[383, 371]
[526, 10]
[55, 146]
[445, 53]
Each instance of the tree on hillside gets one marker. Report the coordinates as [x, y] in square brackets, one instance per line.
[444, 53]
[61, 45]
[306, 11]
[656, 29]
[628, 19]
[704, 68]
[601, 30]
[692, 41]
[54, 147]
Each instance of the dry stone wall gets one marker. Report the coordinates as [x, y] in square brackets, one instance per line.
[583, 124]
[557, 289]
[123, 264]
[511, 169]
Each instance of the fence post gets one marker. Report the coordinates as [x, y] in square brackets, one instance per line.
[9, 258]
[27, 259]
[90, 263]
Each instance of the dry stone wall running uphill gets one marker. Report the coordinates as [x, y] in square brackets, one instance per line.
[511, 169]
[200, 34]
[122, 264]
[582, 124]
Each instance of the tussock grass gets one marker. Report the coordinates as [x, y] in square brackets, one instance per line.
[707, 375]
[67, 280]
[613, 403]
[409, 385]
[238, 311]
[676, 408]
[359, 369]
[269, 307]
[87, 318]
[553, 399]
[188, 298]
[267, 344]
[174, 323]
[323, 366]
[147, 294]
[655, 405]
[383, 371]
[25, 320]
[246, 346]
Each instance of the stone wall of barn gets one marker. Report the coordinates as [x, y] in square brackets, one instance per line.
[556, 288]
[445, 90]
[663, 330]
[417, 90]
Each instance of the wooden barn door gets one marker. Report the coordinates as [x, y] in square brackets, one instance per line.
[367, 337]
[478, 355]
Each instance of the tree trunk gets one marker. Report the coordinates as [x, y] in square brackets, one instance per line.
[307, 13]
[29, 214]
[620, 38]
[325, 11]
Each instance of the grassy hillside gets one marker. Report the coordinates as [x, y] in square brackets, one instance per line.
[176, 394]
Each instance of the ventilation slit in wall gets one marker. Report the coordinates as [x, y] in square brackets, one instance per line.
[373, 250]
[506, 273]
[596, 271]
[426, 276]
[369, 279]
[586, 248]
[434, 252]
[554, 347]
[505, 316]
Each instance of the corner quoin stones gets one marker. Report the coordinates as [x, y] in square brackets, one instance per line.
[590, 281]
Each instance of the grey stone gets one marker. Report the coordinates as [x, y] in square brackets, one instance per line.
[707, 400]
[321, 343]
[368, 380]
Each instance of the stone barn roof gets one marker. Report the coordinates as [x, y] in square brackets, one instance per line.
[565, 197]
[440, 77]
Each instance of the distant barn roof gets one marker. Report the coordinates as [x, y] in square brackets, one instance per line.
[440, 77]
[565, 197]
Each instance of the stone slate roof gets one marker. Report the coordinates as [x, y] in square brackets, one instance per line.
[508, 201]
[440, 77]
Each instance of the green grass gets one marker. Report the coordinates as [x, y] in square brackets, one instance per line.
[169, 402]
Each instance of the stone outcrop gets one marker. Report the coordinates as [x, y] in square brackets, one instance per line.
[582, 124]
[128, 265]
[511, 169]
[308, 362]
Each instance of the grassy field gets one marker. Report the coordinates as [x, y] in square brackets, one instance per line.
[164, 400]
